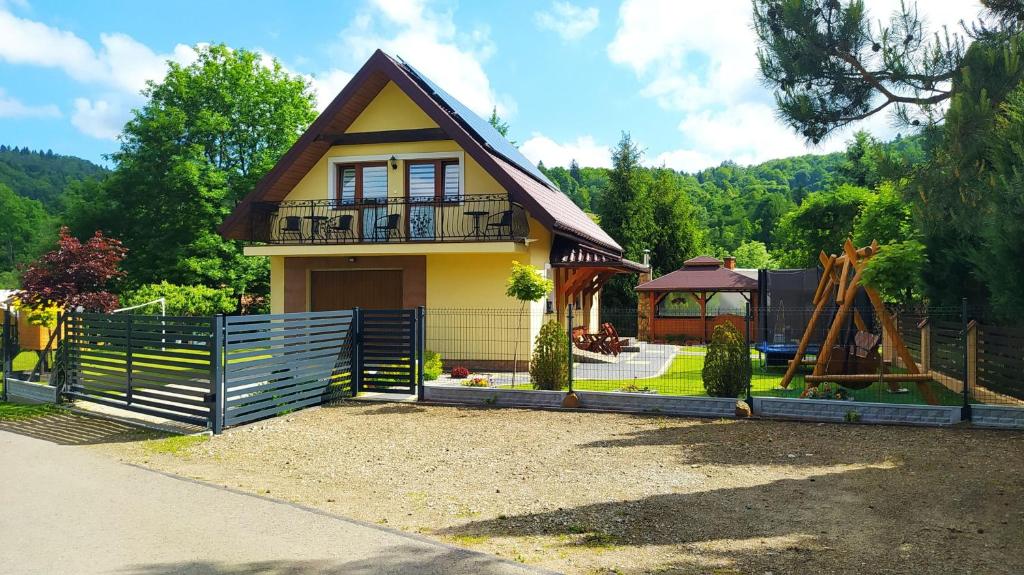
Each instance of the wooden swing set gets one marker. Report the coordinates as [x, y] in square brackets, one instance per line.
[858, 364]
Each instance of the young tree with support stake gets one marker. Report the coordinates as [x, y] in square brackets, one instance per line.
[527, 285]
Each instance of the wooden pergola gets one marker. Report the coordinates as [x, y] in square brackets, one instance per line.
[702, 276]
[580, 273]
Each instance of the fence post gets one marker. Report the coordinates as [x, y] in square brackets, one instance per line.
[926, 345]
[128, 360]
[746, 339]
[965, 413]
[8, 360]
[217, 373]
[357, 350]
[58, 372]
[568, 317]
[421, 350]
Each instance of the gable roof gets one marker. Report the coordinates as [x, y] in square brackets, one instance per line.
[703, 261]
[701, 274]
[527, 185]
[482, 129]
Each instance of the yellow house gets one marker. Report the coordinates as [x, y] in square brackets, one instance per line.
[399, 196]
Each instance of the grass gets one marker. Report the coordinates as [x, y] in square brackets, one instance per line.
[174, 445]
[25, 361]
[21, 411]
[683, 377]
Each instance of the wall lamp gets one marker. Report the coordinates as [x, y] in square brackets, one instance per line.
[394, 163]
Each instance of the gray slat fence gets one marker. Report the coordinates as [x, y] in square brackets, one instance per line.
[156, 365]
[278, 363]
[388, 350]
[221, 371]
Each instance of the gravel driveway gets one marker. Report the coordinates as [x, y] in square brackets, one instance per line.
[616, 493]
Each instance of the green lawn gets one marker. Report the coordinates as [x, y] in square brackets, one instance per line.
[19, 411]
[683, 377]
[25, 361]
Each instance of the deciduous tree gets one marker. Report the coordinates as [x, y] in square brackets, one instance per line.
[75, 275]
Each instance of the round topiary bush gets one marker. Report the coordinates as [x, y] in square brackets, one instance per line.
[726, 370]
[549, 368]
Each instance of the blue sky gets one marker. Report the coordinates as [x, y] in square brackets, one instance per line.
[568, 76]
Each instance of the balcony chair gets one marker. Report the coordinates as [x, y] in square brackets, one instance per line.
[340, 227]
[385, 227]
[500, 224]
[290, 226]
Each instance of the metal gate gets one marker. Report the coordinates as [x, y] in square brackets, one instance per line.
[218, 371]
[390, 350]
[157, 365]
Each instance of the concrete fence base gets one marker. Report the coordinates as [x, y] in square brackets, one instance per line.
[19, 391]
[865, 412]
[997, 416]
[596, 400]
[821, 410]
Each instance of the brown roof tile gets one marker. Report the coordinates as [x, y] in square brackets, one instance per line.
[700, 277]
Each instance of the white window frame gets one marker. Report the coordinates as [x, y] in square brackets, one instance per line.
[334, 161]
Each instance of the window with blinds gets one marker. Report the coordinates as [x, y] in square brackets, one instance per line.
[361, 183]
[433, 180]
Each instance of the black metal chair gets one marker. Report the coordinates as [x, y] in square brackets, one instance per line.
[499, 224]
[290, 226]
[387, 229]
[340, 227]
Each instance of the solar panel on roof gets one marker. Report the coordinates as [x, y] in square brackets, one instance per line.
[483, 129]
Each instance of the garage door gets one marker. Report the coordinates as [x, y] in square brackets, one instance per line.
[367, 289]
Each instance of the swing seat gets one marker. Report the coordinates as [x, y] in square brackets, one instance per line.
[858, 358]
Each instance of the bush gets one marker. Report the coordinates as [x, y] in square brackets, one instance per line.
[432, 366]
[479, 381]
[726, 370]
[549, 368]
[459, 372]
[182, 300]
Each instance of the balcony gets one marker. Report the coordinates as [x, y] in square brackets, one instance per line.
[471, 218]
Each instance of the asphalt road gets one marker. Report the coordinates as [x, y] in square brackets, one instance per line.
[65, 509]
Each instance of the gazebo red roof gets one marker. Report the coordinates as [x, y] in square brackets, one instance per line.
[703, 261]
[703, 273]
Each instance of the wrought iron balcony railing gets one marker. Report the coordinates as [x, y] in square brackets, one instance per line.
[470, 218]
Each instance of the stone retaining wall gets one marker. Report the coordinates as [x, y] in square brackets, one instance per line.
[831, 410]
[999, 416]
[596, 400]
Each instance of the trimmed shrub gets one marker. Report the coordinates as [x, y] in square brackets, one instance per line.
[549, 368]
[195, 300]
[726, 370]
[459, 372]
[431, 366]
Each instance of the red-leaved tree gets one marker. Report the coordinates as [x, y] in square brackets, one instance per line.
[75, 275]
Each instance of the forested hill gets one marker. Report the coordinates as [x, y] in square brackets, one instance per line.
[43, 175]
[734, 205]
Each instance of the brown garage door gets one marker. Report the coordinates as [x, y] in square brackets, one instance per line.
[367, 289]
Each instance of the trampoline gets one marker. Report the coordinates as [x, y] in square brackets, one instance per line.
[779, 354]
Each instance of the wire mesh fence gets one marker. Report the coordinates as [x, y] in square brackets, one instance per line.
[905, 356]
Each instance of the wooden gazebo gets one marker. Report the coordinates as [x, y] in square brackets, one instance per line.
[678, 302]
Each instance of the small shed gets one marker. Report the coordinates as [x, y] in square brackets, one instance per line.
[687, 304]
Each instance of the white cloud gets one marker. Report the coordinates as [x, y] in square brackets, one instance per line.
[11, 107]
[699, 59]
[429, 40]
[586, 152]
[121, 62]
[568, 20]
[327, 85]
[101, 119]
